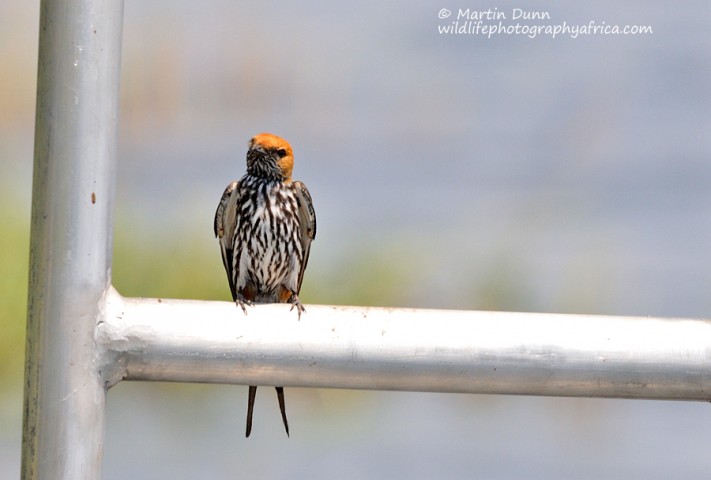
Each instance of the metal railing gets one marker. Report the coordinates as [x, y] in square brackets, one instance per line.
[83, 337]
[406, 349]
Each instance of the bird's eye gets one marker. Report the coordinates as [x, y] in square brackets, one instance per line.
[281, 152]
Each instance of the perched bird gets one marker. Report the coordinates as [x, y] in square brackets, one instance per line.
[265, 223]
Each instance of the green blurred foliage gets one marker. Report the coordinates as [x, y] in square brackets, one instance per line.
[14, 258]
[166, 264]
[187, 264]
[367, 275]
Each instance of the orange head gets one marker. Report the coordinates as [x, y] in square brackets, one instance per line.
[270, 157]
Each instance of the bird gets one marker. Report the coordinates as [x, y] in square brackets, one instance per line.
[265, 223]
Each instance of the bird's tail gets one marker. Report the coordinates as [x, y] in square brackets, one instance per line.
[250, 407]
[282, 408]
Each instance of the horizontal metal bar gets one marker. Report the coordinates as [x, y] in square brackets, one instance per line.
[407, 349]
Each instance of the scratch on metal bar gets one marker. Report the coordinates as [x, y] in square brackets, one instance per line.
[70, 394]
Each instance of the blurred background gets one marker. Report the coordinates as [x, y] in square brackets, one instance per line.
[447, 171]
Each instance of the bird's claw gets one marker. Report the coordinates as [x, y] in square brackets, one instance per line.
[242, 302]
[296, 303]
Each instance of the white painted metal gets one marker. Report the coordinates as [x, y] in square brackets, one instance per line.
[407, 349]
[71, 236]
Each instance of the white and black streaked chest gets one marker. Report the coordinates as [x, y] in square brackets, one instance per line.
[267, 246]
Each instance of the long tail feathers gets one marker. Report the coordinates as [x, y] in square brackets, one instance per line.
[282, 408]
[250, 408]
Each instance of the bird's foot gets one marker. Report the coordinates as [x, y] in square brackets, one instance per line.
[242, 302]
[296, 303]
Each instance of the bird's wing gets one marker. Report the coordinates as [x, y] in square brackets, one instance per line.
[225, 223]
[307, 224]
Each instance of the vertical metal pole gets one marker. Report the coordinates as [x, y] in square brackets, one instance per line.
[71, 236]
